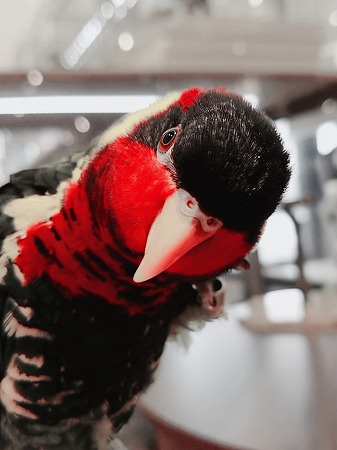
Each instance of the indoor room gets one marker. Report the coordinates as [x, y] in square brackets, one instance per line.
[214, 327]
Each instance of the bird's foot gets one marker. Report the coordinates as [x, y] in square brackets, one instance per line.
[212, 297]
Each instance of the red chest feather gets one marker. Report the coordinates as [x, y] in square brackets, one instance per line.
[94, 244]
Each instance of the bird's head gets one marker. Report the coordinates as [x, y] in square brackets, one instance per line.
[193, 183]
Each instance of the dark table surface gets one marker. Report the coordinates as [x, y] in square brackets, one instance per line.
[236, 387]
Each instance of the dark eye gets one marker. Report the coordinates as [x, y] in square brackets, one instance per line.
[168, 139]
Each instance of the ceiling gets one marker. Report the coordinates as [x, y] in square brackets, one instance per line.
[283, 51]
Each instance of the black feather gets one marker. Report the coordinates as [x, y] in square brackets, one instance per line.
[224, 136]
[99, 355]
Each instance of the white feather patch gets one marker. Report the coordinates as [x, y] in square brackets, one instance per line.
[10, 325]
[25, 213]
[128, 123]
[26, 311]
[10, 397]
[14, 373]
[36, 361]
[81, 165]
[13, 327]
[30, 210]
[3, 268]
[13, 407]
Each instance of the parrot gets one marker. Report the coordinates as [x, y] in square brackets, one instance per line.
[103, 251]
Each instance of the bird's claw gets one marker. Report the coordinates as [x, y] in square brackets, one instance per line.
[212, 297]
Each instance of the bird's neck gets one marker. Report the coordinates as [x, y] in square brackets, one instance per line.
[84, 256]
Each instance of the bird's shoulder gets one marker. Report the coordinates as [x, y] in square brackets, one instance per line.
[42, 180]
[32, 191]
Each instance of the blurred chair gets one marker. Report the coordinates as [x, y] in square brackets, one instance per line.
[284, 267]
[291, 268]
[288, 291]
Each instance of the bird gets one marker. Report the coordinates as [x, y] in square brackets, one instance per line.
[102, 252]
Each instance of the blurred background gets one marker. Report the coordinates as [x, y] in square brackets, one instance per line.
[69, 68]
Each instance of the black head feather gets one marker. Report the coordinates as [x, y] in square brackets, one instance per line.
[230, 157]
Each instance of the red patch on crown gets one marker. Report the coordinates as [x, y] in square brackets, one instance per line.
[189, 97]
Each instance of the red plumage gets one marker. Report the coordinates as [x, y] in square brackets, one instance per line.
[81, 337]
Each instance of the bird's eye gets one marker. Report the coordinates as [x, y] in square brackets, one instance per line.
[168, 139]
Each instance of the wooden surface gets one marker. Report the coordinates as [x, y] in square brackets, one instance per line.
[236, 388]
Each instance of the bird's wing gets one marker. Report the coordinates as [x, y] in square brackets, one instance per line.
[6, 345]
[41, 182]
[46, 180]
